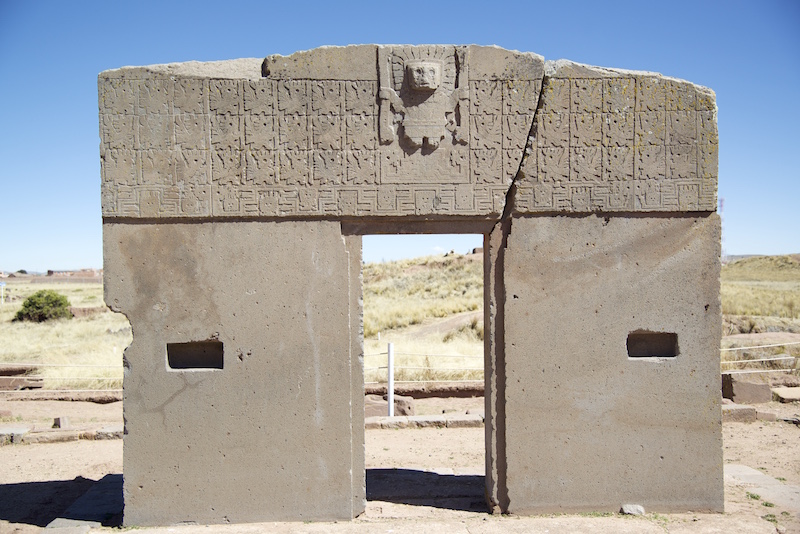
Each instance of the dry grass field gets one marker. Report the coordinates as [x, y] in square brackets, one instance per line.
[407, 292]
[423, 307]
[96, 340]
[762, 286]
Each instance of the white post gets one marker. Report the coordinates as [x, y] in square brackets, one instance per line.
[390, 374]
[2, 292]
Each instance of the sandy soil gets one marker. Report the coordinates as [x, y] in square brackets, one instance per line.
[39, 481]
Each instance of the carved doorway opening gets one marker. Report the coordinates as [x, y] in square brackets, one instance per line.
[432, 311]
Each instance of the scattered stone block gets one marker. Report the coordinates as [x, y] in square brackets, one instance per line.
[372, 423]
[110, 432]
[402, 405]
[463, 421]
[786, 394]
[61, 422]
[765, 416]
[377, 406]
[480, 412]
[632, 509]
[374, 406]
[427, 421]
[745, 391]
[394, 422]
[738, 413]
[53, 436]
[13, 433]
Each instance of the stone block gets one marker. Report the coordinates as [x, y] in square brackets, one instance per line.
[743, 391]
[61, 422]
[372, 423]
[765, 416]
[110, 432]
[634, 334]
[786, 394]
[632, 509]
[375, 405]
[427, 421]
[238, 326]
[402, 405]
[340, 117]
[738, 413]
[463, 420]
[13, 433]
[394, 423]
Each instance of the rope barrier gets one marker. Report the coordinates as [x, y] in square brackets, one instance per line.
[761, 346]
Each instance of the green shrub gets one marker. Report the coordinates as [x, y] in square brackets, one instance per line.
[43, 306]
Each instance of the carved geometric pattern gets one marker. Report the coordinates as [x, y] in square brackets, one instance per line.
[635, 143]
[175, 146]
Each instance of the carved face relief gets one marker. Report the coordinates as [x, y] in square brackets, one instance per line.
[424, 75]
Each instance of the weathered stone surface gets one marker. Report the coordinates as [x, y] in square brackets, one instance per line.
[579, 410]
[403, 405]
[13, 433]
[209, 444]
[738, 413]
[743, 391]
[615, 141]
[426, 421]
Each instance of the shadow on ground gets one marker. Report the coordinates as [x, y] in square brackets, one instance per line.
[73, 502]
[425, 488]
[40, 503]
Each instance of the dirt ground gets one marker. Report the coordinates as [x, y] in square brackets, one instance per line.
[39, 481]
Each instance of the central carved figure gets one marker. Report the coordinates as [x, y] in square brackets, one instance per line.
[420, 97]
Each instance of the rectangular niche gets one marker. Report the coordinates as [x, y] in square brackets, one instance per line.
[643, 344]
[195, 355]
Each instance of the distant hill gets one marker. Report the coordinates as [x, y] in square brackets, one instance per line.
[763, 268]
[406, 292]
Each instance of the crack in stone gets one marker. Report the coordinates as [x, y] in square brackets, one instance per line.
[511, 194]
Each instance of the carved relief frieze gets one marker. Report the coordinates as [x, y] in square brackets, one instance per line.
[435, 131]
[635, 141]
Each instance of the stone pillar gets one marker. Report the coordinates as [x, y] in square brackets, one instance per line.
[612, 332]
[235, 409]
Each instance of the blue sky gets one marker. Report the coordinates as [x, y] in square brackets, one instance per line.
[51, 53]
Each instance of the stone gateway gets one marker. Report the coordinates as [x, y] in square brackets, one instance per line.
[234, 195]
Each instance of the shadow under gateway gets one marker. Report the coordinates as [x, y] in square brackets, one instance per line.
[84, 501]
[426, 488]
